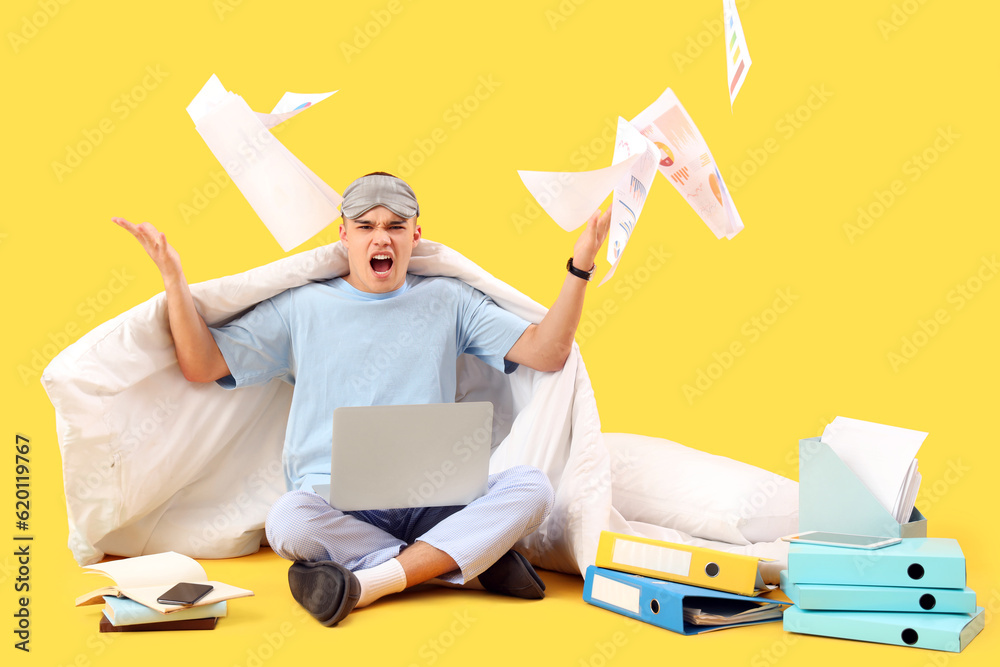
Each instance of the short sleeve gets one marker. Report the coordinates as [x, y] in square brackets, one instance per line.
[257, 345]
[486, 330]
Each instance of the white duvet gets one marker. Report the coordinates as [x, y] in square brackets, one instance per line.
[153, 463]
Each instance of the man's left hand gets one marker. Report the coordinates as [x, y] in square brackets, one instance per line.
[591, 240]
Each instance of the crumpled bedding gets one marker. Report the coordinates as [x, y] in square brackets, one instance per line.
[152, 462]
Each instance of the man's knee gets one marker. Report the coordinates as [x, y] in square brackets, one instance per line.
[536, 487]
[285, 514]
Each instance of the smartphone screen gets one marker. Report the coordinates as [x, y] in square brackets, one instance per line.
[843, 540]
[185, 593]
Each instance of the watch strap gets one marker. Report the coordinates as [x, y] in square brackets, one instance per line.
[586, 275]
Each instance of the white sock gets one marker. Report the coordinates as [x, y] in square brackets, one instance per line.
[389, 577]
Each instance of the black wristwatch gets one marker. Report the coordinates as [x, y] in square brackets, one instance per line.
[586, 275]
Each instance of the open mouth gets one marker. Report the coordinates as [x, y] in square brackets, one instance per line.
[381, 265]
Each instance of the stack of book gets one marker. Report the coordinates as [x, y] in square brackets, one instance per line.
[132, 603]
[685, 589]
[125, 615]
[911, 593]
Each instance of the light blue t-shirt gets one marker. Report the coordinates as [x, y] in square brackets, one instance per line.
[340, 346]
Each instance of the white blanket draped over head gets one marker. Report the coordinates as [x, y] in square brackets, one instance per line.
[153, 462]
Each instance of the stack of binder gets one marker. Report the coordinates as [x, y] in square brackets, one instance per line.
[910, 594]
[685, 589]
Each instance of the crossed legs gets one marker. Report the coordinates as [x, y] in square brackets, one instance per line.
[394, 549]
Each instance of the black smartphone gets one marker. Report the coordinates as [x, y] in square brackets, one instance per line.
[185, 593]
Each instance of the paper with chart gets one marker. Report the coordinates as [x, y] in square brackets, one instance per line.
[883, 458]
[569, 197]
[737, 55]
[292, 201]
[630, 191]
[662, 138]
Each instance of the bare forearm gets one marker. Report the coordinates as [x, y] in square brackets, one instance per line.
[546, 346]
[197, 352]
[555, 332]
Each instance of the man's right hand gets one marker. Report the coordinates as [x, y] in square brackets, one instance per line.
[198, 354]
[167, 260]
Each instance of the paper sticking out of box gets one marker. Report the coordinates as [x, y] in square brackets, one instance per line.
[292, 201]
[661, 138]
[882, 457]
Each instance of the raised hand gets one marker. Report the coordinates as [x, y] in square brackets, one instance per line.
[198, 354]
[155, 244]
[591, 240]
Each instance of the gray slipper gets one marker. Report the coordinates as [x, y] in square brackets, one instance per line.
[327, 590]
[513, 575]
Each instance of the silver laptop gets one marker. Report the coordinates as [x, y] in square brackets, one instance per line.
[396, 456]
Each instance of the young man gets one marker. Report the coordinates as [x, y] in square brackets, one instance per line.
[324, 338]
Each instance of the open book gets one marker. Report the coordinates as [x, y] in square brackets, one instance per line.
[145, 578]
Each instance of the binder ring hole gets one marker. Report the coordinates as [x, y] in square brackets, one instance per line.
[927, 601]
[712, 570]
[916, 571]
[910, 636]
[654, 606]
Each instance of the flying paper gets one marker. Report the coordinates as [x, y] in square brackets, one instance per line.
[662, 138]
[292, 201]
[737, 55]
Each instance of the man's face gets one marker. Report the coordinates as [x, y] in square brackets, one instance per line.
[379, 245]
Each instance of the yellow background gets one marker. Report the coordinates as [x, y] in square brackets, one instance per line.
[895, 77]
